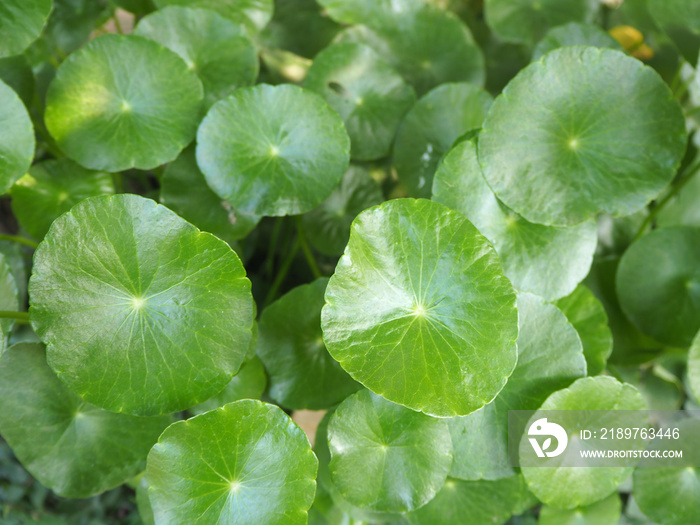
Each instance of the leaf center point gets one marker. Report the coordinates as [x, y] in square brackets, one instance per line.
[138, 303]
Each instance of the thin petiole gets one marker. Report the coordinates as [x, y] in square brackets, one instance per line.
[307, 250]
[22, 317]
[19, 240]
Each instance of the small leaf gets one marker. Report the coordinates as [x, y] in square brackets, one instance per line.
[16, 137]
[480, 440]
[123, 102]
[70, 446]
[658, 283]
[248, 383]
[526, 21]
[215, 48]
[575, 123]
[605, 512]
[184, 190]
[142, 313]
[418, 304]
[546, 260]
[21, 22]
[385, 457]
[50, 189]
[568, 488]
[574, 34]
[588, 316]
[328, 226]
[431, 128]
[302, 373]
[296, 157]
[245, 463]
[253, 14]
[367, 93]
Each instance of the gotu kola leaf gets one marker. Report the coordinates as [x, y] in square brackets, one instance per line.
[70, 446]
[546, 260]
[142, 313]
[21, 22]
[123, 102]
[246, 463]
[587, 130]
[385, 457]
[293, 161]
[253, 14]
[16, 138]
[418, 306]
[9, 296]
[574, 34]
[302, 373]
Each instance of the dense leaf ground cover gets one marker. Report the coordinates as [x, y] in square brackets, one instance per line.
[411, 216]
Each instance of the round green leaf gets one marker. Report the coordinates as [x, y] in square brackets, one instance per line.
[302, 373]
[142, 313]
[16, 137]
[568, 488]
[17, 73]
[431, 128]
[547, 260]
[70, 446]
[605, 512]
[123, 102]
[526, 21]
[214, 47]
[248, 383]
[385, 457]
[426, 45]
[574, 34]
[671, 495]
[50, 189]
[658, 283]
[328, 226]
[588, 316]
[418, 305]
[292, 162]
[184, 190]
[587, 130]
[367, 93]
[484, 502]
[680, 20]
[253, 14]
[480, 440]
[364, 11]
[694, 367]
[9, 300]
[21, 22]
[246, 463]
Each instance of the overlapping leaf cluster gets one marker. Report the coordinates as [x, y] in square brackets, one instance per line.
[415, 215]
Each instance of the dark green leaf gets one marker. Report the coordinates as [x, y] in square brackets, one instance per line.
[21, 22]
[17, 73]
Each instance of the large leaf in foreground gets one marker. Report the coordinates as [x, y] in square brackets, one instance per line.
[123, 102]
[587, 130]
[16, 138]
[550, 357]
[658, 283]
[21, 22]
[431, 128]
[385, 457]
[70, 446]
[214, 47]
[302, 373]
[50, 189]
[246, 463]
[419, 310]
[296, 155]
[366, 91]
[546, 260]
[566, 487]
[142, 313]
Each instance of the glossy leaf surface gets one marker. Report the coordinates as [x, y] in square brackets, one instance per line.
[142, 313]
[386, 457]
[246, 463]
[418, 305]
[595, 110]
[546, 260]
[72, 447]
[123, 102]
[292, 162]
